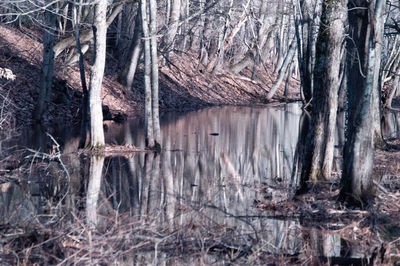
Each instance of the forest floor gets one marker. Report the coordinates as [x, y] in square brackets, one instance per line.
[183, 86]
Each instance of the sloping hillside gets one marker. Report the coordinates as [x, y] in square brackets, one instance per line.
[183, 86]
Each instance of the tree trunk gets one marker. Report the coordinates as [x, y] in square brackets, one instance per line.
[154, 72]
[84, 106]
[185, 25]
[284, 69]
[86, 35]
[300, 165]
[46, 79]
[242, 64]
[328, 73]
[199, 37]
[215, 64]
[128, 26]
[396, 85]
[279, 47]
[366, 28]
[264, 34]
[96, 75]
[390, 70]
[148, 114]
[173, 25]
[306, 30]
[135, 49]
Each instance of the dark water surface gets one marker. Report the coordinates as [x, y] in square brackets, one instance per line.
[194, 203]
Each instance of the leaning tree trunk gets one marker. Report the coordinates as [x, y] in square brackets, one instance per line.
[85, 36]
[135, 49]
[264, 33]
[46, 79]
[173, 25]
[366, 30]
[328, 73]
[283, 70]
[216, 62]
[96, 76]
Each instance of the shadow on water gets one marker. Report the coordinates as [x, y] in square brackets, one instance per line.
[194, 203]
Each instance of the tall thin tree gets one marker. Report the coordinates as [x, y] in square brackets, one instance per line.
[97, 73]
[148, 113]
[46, 79]
[154, 72]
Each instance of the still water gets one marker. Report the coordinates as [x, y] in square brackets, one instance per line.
[194, 203]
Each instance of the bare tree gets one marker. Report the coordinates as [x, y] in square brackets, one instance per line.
[286, 64]
[96, 75]
[149, 27]
[328, 72]
[307, 23]
[154, 72]
[46, 80]
[173, 25]
[135, 50]
[366, 30]
[148, 114]
[85, 36]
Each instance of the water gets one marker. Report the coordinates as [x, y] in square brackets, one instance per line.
[194, 203]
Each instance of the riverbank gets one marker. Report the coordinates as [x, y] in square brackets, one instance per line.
[183, 84]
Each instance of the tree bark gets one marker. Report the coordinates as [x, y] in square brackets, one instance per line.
[135, 49]
[366, 26]
[86, 35]
[148, 114]
[217, 60]
[300, 165]
[307, 23]
[84, 105]
[173, 25]
[390, 70]
[264, 34]
[284, 69]
[328, 73]
[154, 72]
[46, 79]
[96, 75]
[396, 85]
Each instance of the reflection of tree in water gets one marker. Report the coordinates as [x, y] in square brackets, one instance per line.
[194, 202]
[93, 191]
[204, 185]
